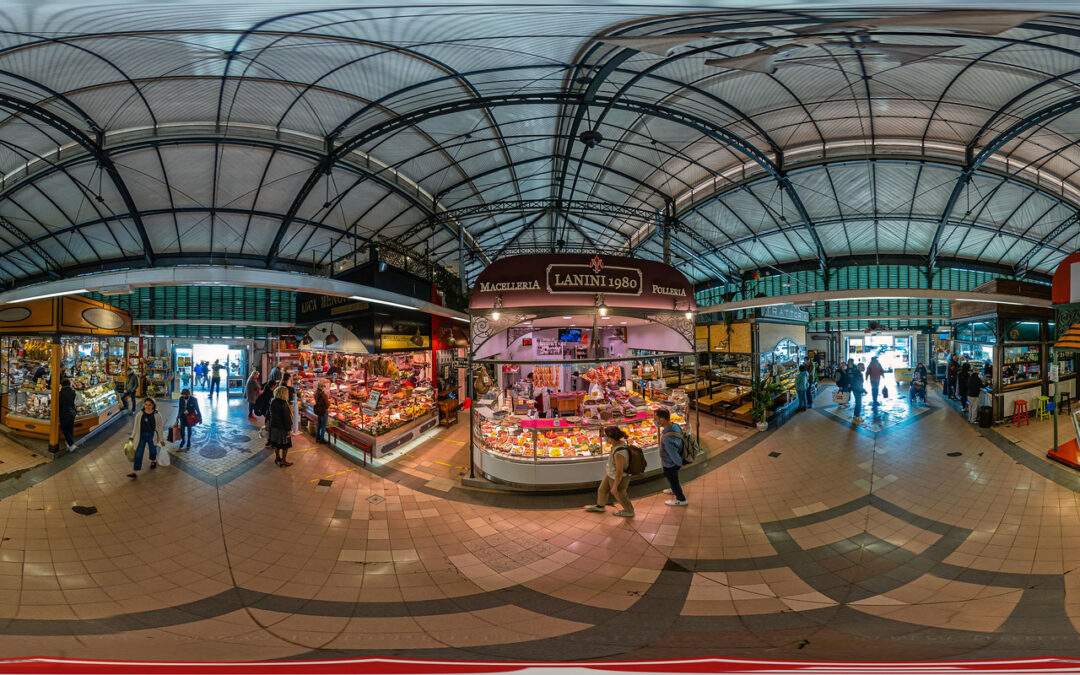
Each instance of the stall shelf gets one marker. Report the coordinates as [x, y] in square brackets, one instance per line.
[1008, 343]
[631, 326]
[51, 338]
[383, 401]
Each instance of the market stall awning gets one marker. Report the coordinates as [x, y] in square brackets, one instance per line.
[1070, 341]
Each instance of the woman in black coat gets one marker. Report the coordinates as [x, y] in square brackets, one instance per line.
[281, 426]
[962, 383]
[188, 406]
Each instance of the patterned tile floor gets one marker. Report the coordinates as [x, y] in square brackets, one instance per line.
[815, 540]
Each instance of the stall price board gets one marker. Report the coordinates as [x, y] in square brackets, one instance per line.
[373, 401]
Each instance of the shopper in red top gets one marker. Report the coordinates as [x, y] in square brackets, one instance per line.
[874, 373]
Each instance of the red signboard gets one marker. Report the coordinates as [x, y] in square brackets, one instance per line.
[1067, 281]
[574, 280]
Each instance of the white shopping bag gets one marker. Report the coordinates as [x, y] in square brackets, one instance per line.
[163, 458]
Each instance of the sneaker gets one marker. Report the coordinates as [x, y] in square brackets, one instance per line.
[133, 475]
[153, 465]
[667, 491]
[677, 502]
[624, 514]
[594, 508]
[856, 420]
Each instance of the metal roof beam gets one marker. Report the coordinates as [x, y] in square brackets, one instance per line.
[1035, 119]
[1021, 264]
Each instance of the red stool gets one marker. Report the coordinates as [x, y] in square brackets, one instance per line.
[1020, 410]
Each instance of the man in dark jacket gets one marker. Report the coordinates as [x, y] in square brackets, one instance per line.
[131, 388]
[974, 388]
[67, 410]
[952, 371]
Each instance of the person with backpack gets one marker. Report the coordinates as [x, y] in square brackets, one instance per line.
[625, 460]
[187, 407]
[672, 448]
[251, 391]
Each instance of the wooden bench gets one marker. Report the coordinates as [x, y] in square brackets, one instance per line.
[366, 451]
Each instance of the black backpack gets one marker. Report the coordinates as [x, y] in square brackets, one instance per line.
[262, 403]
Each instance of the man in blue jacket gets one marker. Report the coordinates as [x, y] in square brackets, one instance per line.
[671, 443]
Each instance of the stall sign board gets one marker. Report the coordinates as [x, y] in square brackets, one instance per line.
[786, 312]
[398, 342]
[1066, 286]
[575, 280]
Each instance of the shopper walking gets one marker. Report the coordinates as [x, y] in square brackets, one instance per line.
[961, 385]
[811, 371]
[974, 388]
[215, 382]
[322, 411]
[131, 390]
[187, 416]
[671, 445]
[952, 370]
[280, 423]
[874, 372]
[802, 383]
[855, 381]
[616, 480]
[251, 391]
[843, 382]
[147, 429]
[68, 408]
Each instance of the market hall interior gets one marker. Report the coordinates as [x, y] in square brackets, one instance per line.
[337, 332]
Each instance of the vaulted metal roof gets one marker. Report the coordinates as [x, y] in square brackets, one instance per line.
[135, 135]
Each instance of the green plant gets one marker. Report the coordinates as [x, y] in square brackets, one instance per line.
[762, 393]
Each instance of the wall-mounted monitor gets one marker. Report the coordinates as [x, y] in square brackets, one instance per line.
[569, 335]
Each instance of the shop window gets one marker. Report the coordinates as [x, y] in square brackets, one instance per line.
[1022, 331]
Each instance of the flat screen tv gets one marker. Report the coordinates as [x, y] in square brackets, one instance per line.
[569, 335]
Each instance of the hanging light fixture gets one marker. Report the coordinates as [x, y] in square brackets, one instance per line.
[601, 306]
[330, 339]
[495, 313]
[307, 339]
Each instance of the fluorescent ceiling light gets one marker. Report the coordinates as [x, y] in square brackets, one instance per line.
[381, 302]
[47, 295]
[458, 318]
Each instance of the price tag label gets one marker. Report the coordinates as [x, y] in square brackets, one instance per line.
[373, 400]
[1055, 372]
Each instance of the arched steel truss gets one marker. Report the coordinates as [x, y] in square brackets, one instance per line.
[625, 196]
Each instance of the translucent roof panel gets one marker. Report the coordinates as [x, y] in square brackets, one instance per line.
[137, 135]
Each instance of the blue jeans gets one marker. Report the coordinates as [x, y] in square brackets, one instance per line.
[129, 394]
[672, 475]
[215, 385]
[185, 435]
[874, 385]
[145, 440]
[804, 396]
[858, 394]
[320, 431]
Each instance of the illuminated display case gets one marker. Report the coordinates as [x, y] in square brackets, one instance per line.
[373, 399]
[1021, 366]
[515, 439]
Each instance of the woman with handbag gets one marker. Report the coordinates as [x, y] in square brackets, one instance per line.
[281, 426]
[148, 429]
[187, 416]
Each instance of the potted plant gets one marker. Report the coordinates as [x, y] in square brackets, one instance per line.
[762, 393]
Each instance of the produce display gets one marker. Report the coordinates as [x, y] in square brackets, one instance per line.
[373, 394]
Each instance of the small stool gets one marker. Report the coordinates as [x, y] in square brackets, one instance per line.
[1064, 401]
[1041, 412]
[1020, 410]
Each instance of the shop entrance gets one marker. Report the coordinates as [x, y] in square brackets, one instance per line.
[233, 359]
[893, 350]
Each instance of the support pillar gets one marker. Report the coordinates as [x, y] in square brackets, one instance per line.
[54, 393]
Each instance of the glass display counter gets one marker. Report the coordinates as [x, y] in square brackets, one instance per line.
[378, 402]
[566, 452]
